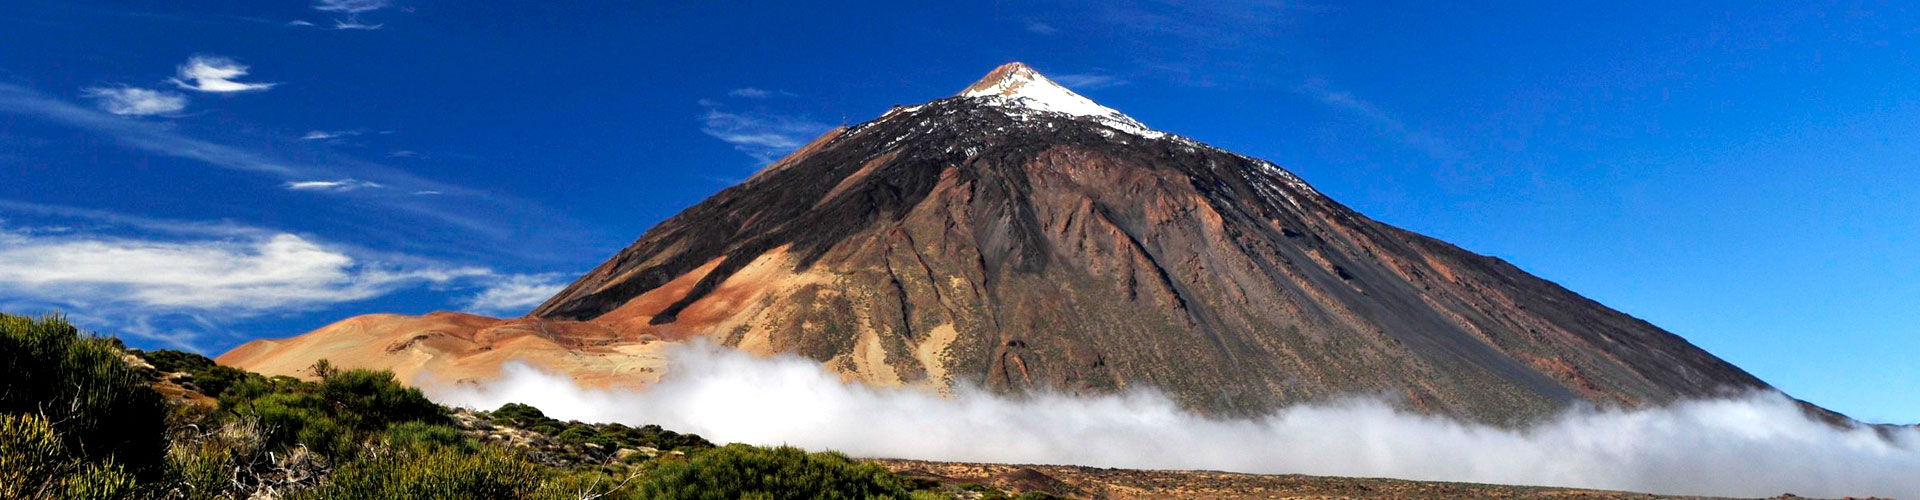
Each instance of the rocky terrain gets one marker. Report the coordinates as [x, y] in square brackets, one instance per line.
[1019, 237]
[1130, 484]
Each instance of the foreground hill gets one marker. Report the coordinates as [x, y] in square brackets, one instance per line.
[1019, 236]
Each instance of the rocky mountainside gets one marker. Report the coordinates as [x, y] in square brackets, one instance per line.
[1021, 237]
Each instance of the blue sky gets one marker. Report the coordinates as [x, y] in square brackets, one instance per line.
[196, 174]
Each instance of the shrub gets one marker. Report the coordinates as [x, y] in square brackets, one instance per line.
[739, 471]
[200, 469]
[172, 361]
[331, 417]
[105, 407]
[35, 465]
[290, 419]
[432, 474]
[371, 400]
[421, 435]
[609, 436]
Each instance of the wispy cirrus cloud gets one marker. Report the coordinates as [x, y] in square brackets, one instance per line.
[765, 136]
[517, 294]
[351, 6]
[1347, 103]
[1041, 28]
[216, 74]
[755, 93]
[138, 134]
[1202, 42]
[479, 212]
[348, 24]
[321, 135]
[352, 9]
[1088, 81]
[175, 281]
[334, 185]
[136, 101]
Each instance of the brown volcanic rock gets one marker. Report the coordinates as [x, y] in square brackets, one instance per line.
[984, 239]
[448, 347]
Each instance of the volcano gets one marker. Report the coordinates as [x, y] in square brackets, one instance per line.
[1022, 238]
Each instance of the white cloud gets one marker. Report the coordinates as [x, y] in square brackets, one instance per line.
[1087, 81]
[1757, 446]
[298, 22]
[515, 294]
[177, 281]
[339, 185]
[238, 276]
[754, 93]
[764, 136]
[351, 6]
[207, 73]
[1041, 28]
[136, 101]
[321, 135]
[354, 24]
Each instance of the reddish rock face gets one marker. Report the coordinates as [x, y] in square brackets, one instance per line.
[1019, 239]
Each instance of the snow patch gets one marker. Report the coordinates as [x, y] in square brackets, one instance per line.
[1020, 87]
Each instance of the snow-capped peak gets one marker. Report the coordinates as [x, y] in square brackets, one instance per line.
[1017, 85]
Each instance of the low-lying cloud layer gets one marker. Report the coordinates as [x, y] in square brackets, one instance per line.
[1759, 445]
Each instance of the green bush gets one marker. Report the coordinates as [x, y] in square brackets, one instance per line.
[172, 361]
[430, 473]
[105, 407]
[739, 471]
[290, 419]
[371, 400]
[216, 379]
[421, 435]
[609, 436]
[200, 469]
[333, 416]
[35, 465]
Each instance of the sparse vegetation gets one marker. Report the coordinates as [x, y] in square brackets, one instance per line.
[740, 471]
[80, 419]
[101, 408]
[604, 436]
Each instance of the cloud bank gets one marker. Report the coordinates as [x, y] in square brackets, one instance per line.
[1760, 445]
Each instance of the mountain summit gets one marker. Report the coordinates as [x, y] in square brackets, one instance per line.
[1021, 237]
[1016, 86]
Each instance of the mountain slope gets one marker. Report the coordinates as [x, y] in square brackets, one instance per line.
[1021, 237]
